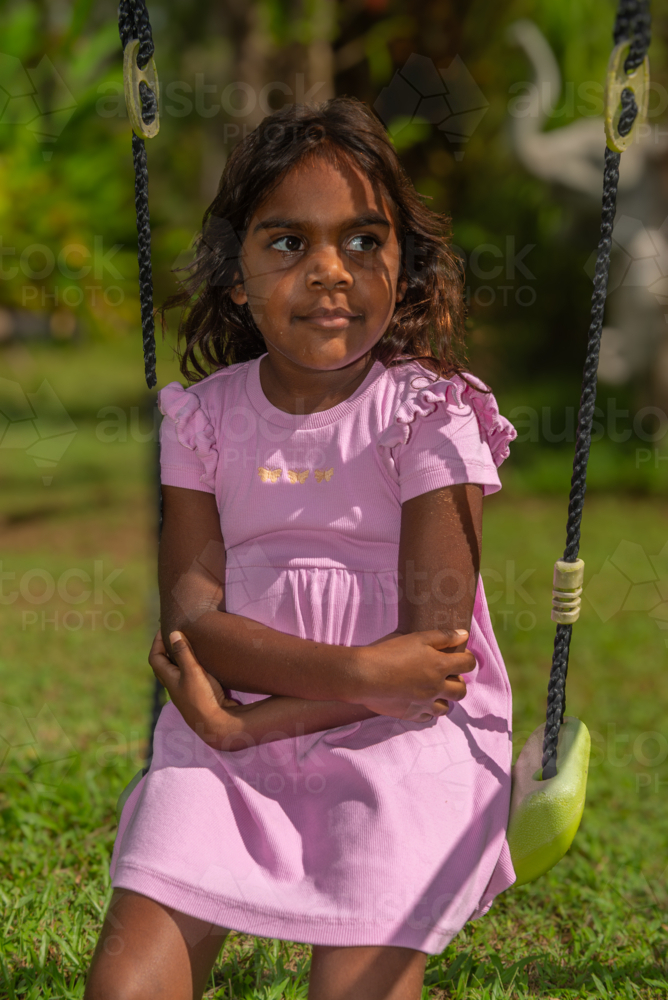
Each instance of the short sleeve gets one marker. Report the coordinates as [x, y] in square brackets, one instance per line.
[188, 456]
[445, 433]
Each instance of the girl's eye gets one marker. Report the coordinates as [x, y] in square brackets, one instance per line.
[290, 244]
[363, 242]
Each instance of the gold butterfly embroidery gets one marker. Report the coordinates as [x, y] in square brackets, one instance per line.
[269, 475]
[298, 477]
[321, 474]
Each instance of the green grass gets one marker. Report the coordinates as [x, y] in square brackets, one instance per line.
[596, 926]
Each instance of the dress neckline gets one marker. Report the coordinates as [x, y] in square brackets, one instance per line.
[308, 421]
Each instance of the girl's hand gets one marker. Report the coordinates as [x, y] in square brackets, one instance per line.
[197, 694]
[226, 725]
[408, 677]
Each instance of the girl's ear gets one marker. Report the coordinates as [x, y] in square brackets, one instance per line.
[238, 295]
[401, 290]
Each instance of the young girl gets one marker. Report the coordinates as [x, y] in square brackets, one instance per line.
[322, 774]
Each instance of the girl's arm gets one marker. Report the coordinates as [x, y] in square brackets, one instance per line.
[241, 653]
[405, 675]
[439, 558]
[224, 724]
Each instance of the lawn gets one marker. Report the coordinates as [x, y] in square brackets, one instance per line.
[77, 617]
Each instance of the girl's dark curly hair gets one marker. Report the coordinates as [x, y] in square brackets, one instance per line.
[428, 324]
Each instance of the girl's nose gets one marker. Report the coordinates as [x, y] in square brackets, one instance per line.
[326, 269]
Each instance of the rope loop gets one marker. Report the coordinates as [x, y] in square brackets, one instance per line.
[626, 98]
[141, 92]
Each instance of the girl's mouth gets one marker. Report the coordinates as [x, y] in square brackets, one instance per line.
[330, 319]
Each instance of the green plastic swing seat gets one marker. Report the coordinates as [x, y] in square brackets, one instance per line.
[545, 815]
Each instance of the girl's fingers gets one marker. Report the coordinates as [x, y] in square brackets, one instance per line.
[182, 652]
[196, 694]
[199, 689]
[166, 672]
[459, 663]
[456, 688]
[439, 707]
[160, 663]
[447, 639]
[170, 672]
[444, 638]
[157, 647]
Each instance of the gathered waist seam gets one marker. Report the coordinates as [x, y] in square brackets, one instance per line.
[342, 569]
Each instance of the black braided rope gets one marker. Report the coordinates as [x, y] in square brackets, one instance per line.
[149, 103]
[157, 705]
[632, 22]
[144, 258]
[133, 22]
[158, 691]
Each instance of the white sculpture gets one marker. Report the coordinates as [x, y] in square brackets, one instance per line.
[636, 342]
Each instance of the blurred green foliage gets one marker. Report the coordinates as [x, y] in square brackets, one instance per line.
[76, 190]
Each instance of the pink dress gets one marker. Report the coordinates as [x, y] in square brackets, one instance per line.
[378, 833]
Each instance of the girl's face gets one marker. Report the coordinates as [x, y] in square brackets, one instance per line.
[321, 264]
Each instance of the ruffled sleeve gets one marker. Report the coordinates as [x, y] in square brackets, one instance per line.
[188, 454]
[445, 431]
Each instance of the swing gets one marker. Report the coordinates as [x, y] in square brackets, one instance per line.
[549, 779]
[550, 776]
